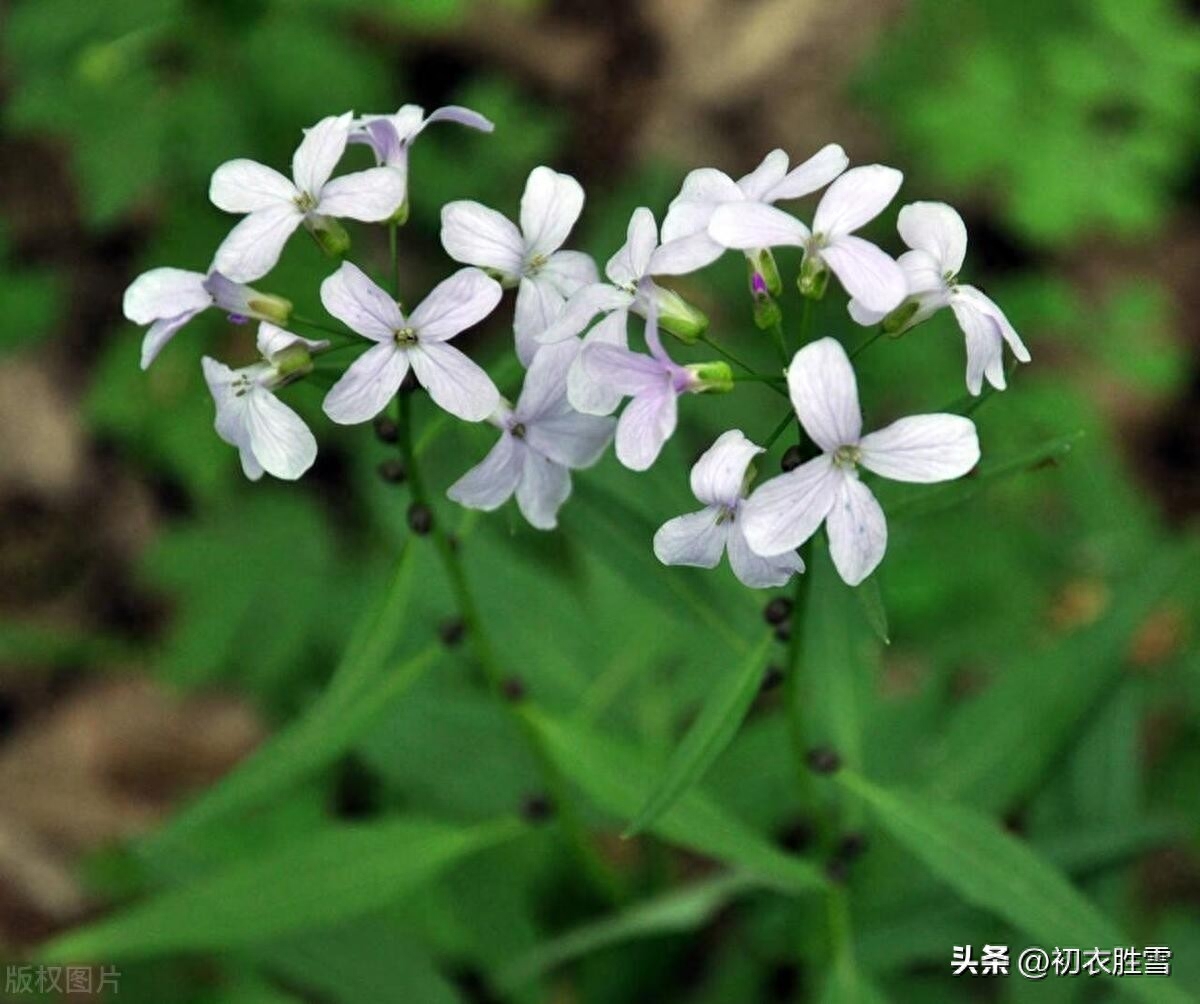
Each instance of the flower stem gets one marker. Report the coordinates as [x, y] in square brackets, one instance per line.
[779, 429]
[759, 378]
[392, 228]
[602, 877]
[791, 684]
[751, 372]
[780, 344]
[867, 344]
[308, 322]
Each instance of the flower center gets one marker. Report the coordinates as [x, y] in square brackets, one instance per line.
[728, 514]
[305, 202]
[950, 278]
[847, 456]
[536, 264]
[405, 336]
[518, 430]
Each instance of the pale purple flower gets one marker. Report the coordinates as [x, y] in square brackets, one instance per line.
[542, 440]
[784, 512]
[276, 206]
[938, 239]
[167, 298]
[699, 539]
[419, 340]
[606, 372]
[268, 434]
[529, 258]
[391, 136]
[853, 200]
[706, 189]
[630, 287]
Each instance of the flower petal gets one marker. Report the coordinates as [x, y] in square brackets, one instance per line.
[936, 229]
[550, 205]
[590, 395]
[454, 305]
[243, 186]
[824, 393]
[272, 339]
[571, 439]
[253, 247]
[539, 305]
[368, 385]
[985, 347]
[754, 570]
[280, 441]
[629, 264]
[696, 540]
[856, 198]
[476, 235]
[645, 425]
[584, 304]
[763, 178]
[866, 273]
[687, 254]
[815, 173]
[463, 116]
[785, 511]
[570, 271]
[690, 211]
[987, 306]
[544, 391]
[161, 332]
[857, 531]
[542, 490]
[371, 195]
[165, 293]
[750, 225]
[490, 483]
[455, 383]
[717, 477]
[922, 448]
[350, 296]
[621, 370]
[319, 152]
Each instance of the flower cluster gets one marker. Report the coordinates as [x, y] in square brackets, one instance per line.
[571, 333]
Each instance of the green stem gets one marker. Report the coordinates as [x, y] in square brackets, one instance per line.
[779, 429]
[392, 228]
[308, 322]
[867, 344]
[594, 867]
[751, 372]
[791, 684]
[806, 320]
[758, 378]
[780, 344]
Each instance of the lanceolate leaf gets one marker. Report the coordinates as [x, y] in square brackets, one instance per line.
[618, 780]
[712, 731]
[993, 870]
[328, 876]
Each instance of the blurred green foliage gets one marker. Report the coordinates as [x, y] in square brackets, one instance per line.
[1038, 613]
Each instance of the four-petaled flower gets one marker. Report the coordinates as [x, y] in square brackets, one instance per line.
[268, 434]
[542, 440]
[167, 298]
[784, 512]
[609, 372]
[390, 136]
[706, 189]
[529, 258]
[700, 538]
[938, 239]
[276, 206]
[420, 340]
[853, 200]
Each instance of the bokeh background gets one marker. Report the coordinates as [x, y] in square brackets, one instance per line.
[159, 617]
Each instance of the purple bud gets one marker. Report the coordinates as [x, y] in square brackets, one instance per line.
[238, 318]
[758, 284]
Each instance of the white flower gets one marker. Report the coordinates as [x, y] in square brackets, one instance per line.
[630, 287]
[276, 206]
[706, 189]
[542, 440]
[700, 538]
[787, 510]
[167, 298]
[529, 258]
[454, 382]
[853, 200]
[268, 434]
[938, 239]
[391, 136]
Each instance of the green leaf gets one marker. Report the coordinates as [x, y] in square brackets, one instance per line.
[619, 780]
[673, 912]
[1000, 744]
[320, 879]
[712, 731]
[993, 870]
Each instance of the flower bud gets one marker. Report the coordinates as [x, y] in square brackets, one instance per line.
[400, 216]
[329, 234]
[901, 319]
[269, 307]
[715, 377]
[239, 300]
[766, 313]
[679, 317]
[814, 277]
[292, 363]
[761, 264]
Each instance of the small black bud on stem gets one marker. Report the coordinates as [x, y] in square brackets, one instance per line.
[772, 678]
[850, 846]
[513, 688]
[791, 459]
[823, 760]
[537, 808]
[783, 632]
[420, 518]
[778, 610]
[451, 632]
[386, 429]
[392, 471]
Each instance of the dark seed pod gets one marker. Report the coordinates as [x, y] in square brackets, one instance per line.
[537, 808]
[392, 471]
[386, 429]
[797, 836]
[783, 632]
[420, 518]
[850, 846]
[823, 760]
[451, 632]
[772, 678]
[778, 610]
[513, 688]
[791, 459]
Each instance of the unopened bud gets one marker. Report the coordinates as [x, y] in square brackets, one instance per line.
[814, 277]
[329, 234]
[242, 302]
[268, 307]
[763, 269]
[715, 377]
[901, 319]
[292, 363]
[766, 313]
[679, 317]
